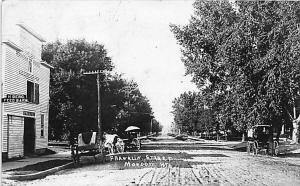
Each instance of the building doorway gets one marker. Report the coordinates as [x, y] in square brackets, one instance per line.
[29, 135]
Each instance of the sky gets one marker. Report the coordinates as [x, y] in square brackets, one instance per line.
[135, 33]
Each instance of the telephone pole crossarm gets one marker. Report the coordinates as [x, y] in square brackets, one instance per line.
[94, 72]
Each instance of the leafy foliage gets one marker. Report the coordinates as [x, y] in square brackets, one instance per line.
[245, 58]
[73, 95]
[156, 126]
[190, 113]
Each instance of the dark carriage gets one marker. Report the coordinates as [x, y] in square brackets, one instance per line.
[262, 139]
[85, 144]
[132, 142]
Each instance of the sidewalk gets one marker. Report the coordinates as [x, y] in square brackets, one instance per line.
[61, 154]
[30, 161]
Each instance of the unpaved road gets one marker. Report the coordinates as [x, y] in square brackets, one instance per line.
[171, 163]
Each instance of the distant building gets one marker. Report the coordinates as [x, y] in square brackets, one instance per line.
[25, 94]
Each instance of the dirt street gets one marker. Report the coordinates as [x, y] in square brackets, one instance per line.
[196, 164]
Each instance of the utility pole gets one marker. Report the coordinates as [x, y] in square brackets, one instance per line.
[151, 125]
[98, 72]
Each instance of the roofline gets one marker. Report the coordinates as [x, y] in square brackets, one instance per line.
[17, 114]
[13, 45]
[31, 32]
[46, 65]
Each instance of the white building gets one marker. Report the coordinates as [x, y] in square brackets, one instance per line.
[25, 93]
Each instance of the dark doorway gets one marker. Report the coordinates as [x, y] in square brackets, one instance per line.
[29, 135]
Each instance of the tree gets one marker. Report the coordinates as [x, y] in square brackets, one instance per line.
[245, 58]
[191, 114]
[135, 109]
[156, 126]
[73, 96]
[70, 110]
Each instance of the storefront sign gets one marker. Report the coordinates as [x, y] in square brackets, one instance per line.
[26, 113]
[18, 98]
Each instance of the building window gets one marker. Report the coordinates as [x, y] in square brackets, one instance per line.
[42, 124]
[33, 92]
[30, 64]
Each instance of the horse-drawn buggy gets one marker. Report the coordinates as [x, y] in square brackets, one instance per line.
[261, 138]
[88, 144]
[85, 144]
[132, 143]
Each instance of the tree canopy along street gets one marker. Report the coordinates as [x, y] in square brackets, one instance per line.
[73, 95]
[165, 160]
[244, 57]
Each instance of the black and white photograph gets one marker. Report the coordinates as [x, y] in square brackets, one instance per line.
[150, 92]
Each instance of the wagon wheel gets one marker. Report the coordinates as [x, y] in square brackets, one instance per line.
[255, 148]
[249, 144]
[276, 148]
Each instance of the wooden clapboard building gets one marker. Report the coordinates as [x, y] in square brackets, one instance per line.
[25, 94]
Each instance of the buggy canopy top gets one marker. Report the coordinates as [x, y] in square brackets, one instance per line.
[132, 128]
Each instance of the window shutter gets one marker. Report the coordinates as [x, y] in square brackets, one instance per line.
[42, 125]
[37, 93]
[30, 92]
